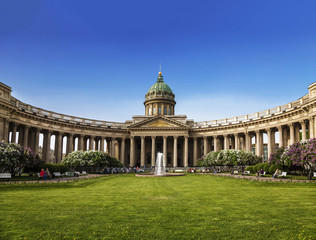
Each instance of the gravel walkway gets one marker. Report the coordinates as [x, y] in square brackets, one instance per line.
[56, 180]
[264, 179]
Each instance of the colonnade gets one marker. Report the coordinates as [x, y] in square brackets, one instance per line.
[178, 151]
[30, 137]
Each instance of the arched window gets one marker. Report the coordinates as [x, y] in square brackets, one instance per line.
[165, 110]
[149, 111]
[159, 110]
[154, 110]
[170, 111]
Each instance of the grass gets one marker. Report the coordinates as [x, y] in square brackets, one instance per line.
[188, 207]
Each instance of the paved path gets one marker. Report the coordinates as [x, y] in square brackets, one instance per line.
[264, 179]
[56, 180]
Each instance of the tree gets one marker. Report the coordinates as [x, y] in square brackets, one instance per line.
[301, 154]
[13, 157]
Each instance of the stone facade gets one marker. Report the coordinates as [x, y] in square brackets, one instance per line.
[137, 141]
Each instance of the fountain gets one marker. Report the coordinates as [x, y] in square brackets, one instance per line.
[160, 169]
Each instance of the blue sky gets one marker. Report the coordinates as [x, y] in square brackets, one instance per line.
[97, 59]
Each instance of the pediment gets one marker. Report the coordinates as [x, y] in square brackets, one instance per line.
[159, 122]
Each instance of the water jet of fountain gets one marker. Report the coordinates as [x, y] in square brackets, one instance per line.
[160, 169]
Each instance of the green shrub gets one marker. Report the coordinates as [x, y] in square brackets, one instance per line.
[260, 165]
[62, 168]
[266, 167]
[254, 168]
[249, 168]
[272, 168]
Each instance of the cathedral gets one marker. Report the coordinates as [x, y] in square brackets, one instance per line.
[136, 142]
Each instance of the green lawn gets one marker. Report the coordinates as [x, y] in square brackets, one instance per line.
[188, 207]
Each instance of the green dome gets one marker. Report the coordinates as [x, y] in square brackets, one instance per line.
[160, 86]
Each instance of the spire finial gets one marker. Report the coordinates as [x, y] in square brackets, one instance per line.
[160, 70]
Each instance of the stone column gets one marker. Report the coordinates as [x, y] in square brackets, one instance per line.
[6, 131]
[292, 135]
[270, 146]
[215, 144]
[259, 144]
[297, 133]
[226, 142]
[116, 149]
[1, 129]
[248, 143]
[194, 150]
[96, 144]
[69, 147]
[36, 142]
[113, 147]
[21, 135]
[58, 147]
[280, 129]
[175, 151]
[164, 151]
[91, 143]
[122, 158]
[132, 151]
[205, 145]
[142, 151]
[13, 137]
[186, 152]
[47, 146]
[237, 142]
[153, 151]
[311, 127]
[303, 124]
[26, 136]
[80, 142]
[102, 144]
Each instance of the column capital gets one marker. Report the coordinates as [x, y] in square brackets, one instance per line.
[153, 137]
[142, 137]
[164, 137]
[27, 127]
[291, 124]
[205, 137]
[257, 131]
[236, 134]
[280, 128]
[268, 130]
[304, 121]
[175, 137]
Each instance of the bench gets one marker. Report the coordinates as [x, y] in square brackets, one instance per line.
[56, 174]
[314, 174]
[5, 175]
[246, 173]
[77, 174]
[70, 174]
[84, 173]
[283, 174]
[178, 170]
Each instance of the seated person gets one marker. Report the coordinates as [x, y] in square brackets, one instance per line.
[277, 173]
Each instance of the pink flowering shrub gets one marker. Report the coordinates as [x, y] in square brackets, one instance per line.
[301, 154]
